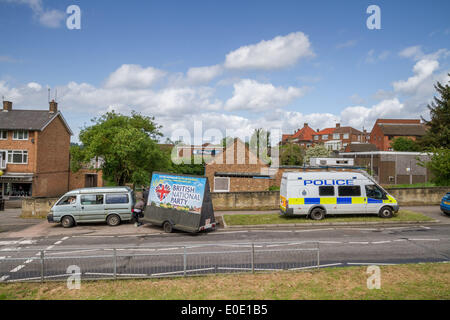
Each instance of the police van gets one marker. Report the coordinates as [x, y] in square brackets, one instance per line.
[316, 194]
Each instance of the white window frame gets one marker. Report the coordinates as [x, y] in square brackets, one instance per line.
[346, 136]
[336, 136]
[1, 134]
[16, 134]
[324, 137]
[217, 190]
[316, 137]
[11, 152]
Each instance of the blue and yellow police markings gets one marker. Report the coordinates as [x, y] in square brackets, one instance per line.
[338, 200]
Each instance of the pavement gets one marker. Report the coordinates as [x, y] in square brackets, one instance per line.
[12, 226]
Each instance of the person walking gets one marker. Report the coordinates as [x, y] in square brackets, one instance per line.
[137, 211]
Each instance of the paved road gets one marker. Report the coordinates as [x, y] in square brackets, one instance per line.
[163, 253]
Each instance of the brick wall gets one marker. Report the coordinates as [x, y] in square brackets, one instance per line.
[78, 179]
[27, 145]
[52, 167]
[237, 158]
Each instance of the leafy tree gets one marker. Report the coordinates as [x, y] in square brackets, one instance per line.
[291, 154]
[259, 144]
[189, 167]
[317, 151]
[438, 133]
[127, 145]
[405, 144]
[439, 165]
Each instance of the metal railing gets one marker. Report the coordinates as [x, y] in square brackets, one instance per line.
[19, 264]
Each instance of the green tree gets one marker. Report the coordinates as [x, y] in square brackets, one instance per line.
[439, 165]
[127, 145]
[291, 154]
[438, 133]
[405, 144]
[317, 151]
[259, 144]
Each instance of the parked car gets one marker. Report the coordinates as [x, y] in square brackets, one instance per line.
[445, 204]
[110, 204]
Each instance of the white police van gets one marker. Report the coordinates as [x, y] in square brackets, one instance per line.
[316, 194]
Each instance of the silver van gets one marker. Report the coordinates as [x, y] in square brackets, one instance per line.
[110, 204]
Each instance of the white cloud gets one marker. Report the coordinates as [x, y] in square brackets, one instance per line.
[51, 18]
[416, 53]
[347, 44]
[278, 52]
[359, 116]
[372, 57]
[423, 69]
[133, 76]
[35, 86]
[252, 95]
[203, 74]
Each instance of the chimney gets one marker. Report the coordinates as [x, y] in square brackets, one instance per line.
[305, 124]
[53, 106]
[318, 130]
[7, 105]
[338, 125]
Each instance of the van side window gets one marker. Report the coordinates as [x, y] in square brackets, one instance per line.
[349, 191]
[116, 198]
[372, 191]
[326, 191]
[92, 199]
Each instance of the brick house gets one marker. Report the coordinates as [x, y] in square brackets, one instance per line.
[35, 153]
[303, 136]
[339, 138]
[385, 130]
[237, 169]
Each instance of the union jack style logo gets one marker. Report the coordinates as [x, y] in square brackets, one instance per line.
[162, 191]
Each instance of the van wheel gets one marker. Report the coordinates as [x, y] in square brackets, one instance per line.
[67, 222]
[167, 226]
[113, 220]
[385, 212]
[317, 214]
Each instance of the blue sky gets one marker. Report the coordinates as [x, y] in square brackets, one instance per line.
[313, 62]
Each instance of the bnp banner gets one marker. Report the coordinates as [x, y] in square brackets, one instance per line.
[177, 192]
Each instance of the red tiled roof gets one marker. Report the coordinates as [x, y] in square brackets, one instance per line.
[326, 131]
[305, 133]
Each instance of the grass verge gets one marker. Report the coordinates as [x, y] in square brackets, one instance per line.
[258, 219]
[411, 281]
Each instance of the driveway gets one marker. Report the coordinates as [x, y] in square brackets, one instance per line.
[10, 221]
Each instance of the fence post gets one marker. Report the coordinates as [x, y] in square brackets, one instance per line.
[115, 263]
[318, 255]
[253, 257]
[184, 262]
[42, 266]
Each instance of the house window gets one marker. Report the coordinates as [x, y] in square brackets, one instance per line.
[336, 135]
[3, 135]
[325, 137]
[20, 135]
[345, 135]
[18, 156]
[221, 184]
[316, 137]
